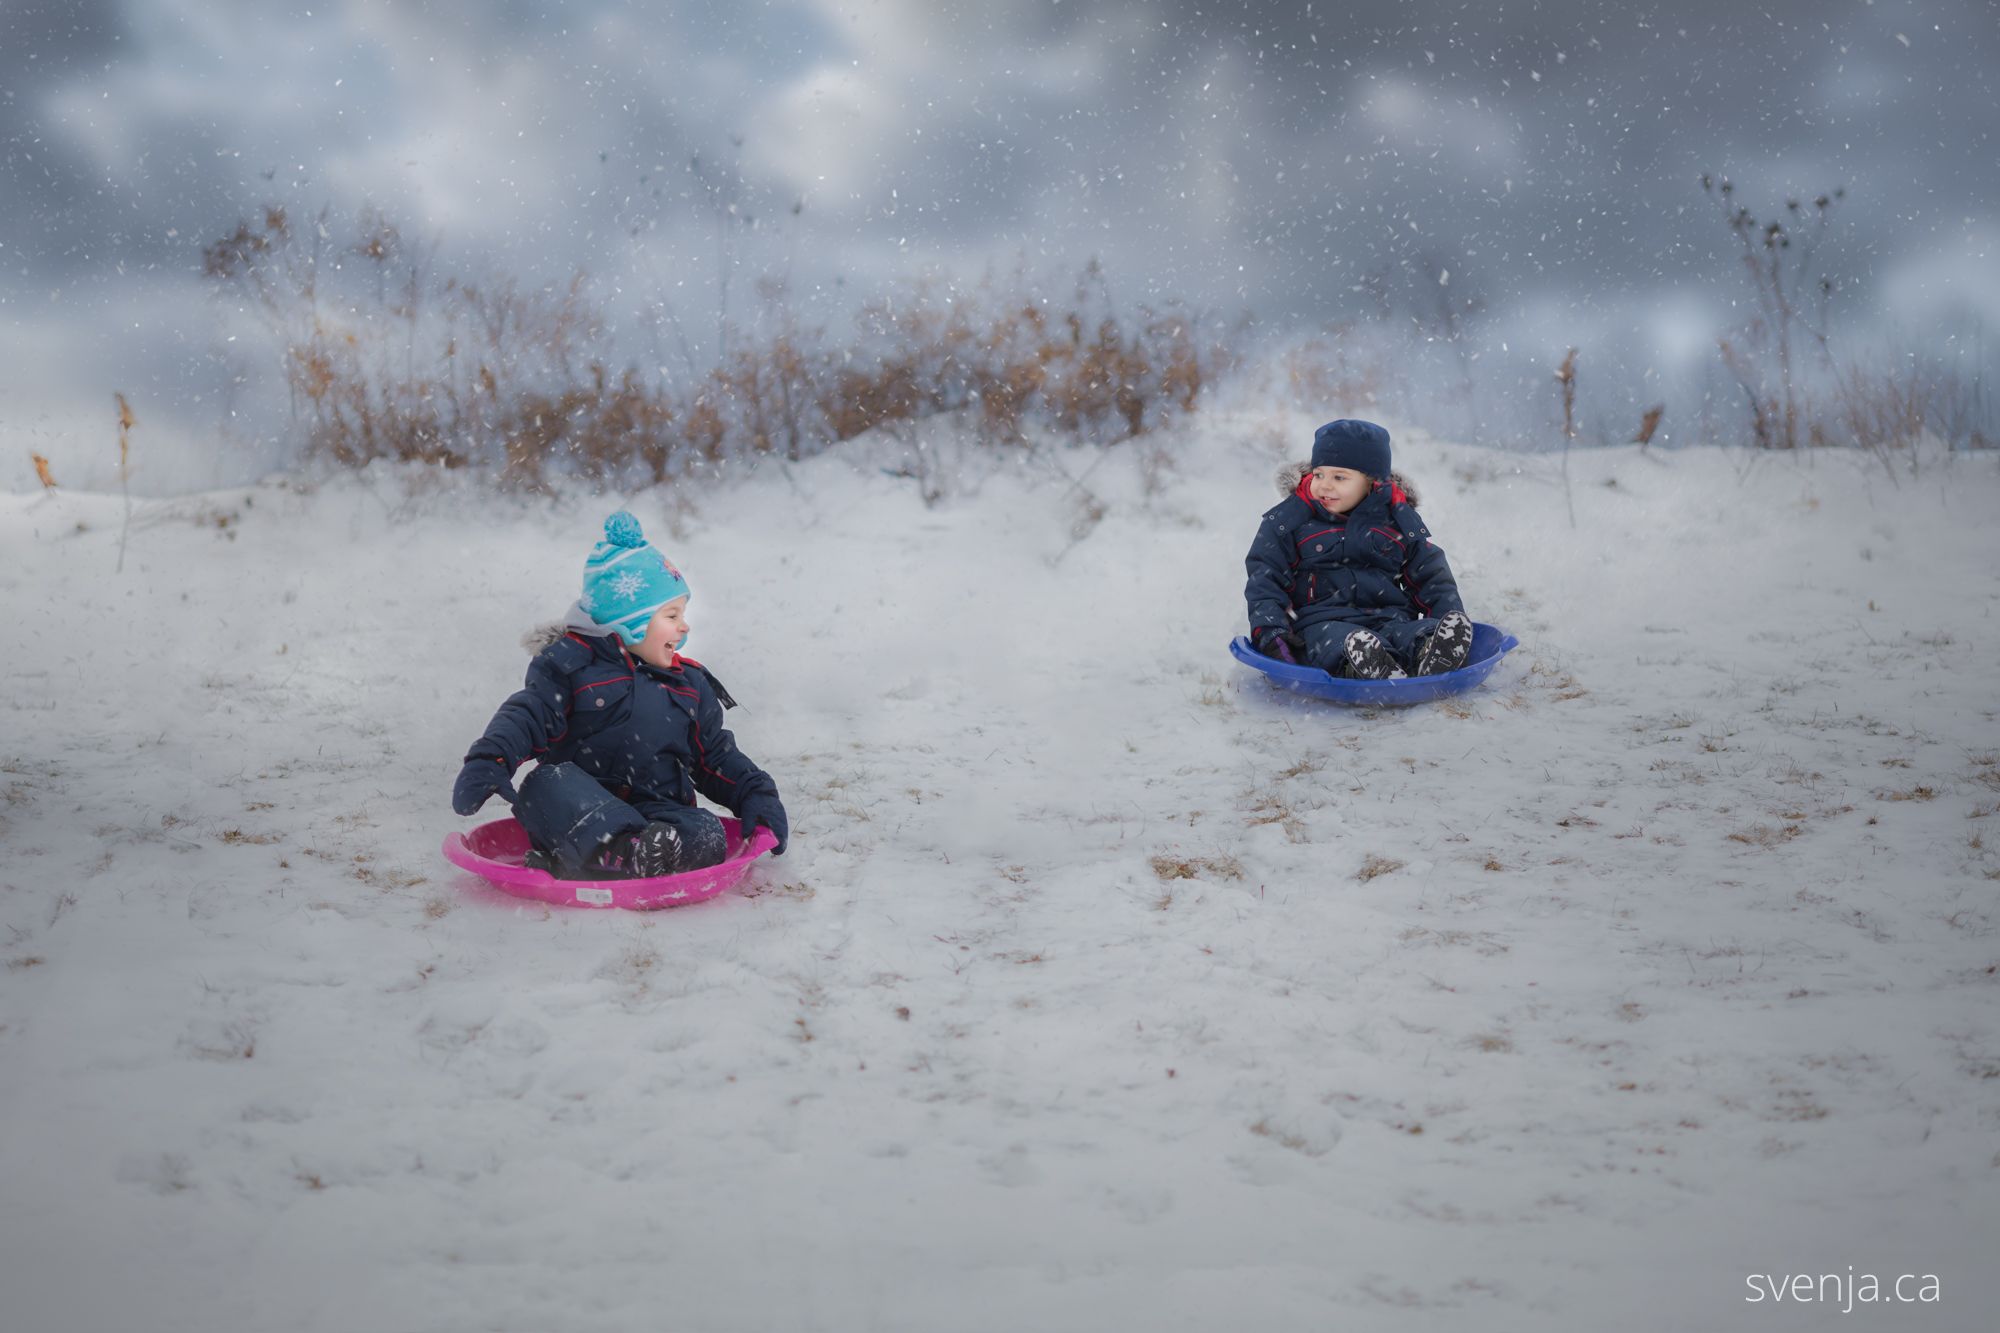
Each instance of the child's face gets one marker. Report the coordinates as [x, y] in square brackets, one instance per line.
[1339, 489]
[666, 631]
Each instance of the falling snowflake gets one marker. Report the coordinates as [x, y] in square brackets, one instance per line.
[627, 584]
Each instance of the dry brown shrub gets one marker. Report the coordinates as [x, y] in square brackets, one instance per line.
[383, 359]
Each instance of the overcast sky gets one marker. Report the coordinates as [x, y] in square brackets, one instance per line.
[1238, 153]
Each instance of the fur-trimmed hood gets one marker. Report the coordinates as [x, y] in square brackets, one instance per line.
[545, 634]
[1291, 474]
[542, 636]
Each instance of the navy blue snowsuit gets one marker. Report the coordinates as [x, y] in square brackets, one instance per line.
[620, 743]
[1325, 575]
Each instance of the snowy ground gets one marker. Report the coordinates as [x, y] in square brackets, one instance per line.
[1102, 988]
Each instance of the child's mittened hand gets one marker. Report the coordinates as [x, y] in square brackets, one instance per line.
[1274, 642]
[768, 811]
[479, 779]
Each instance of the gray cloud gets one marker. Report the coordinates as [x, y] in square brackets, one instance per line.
[1296, 159]
[43, 45]
[41, 39]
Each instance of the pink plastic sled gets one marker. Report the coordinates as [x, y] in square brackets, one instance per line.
[494, 852]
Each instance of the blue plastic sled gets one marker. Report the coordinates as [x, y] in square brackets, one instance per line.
[1490, 643]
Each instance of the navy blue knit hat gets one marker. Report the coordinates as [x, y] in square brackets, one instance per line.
[1360, 445]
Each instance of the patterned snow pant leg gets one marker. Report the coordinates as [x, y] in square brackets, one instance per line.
[569, 814]
[1403, 638]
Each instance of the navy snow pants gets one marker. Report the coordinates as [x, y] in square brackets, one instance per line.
[569, 814]
[1403, 638]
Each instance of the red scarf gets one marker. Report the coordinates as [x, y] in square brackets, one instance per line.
[1304, 492]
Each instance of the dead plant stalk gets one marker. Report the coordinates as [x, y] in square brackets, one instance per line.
[125, 423]
[1566, 376]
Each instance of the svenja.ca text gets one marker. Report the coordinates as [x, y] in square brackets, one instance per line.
[1847, 1290]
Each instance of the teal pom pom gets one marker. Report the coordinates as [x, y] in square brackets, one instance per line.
[621, 529]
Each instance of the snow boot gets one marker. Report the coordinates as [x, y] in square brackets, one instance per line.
[1366, 657]
[653, 850]
[1447, 647]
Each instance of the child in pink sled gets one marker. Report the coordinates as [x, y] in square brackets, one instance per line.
[626, 730]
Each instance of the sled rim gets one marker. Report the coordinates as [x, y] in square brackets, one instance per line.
[493, 850]
[1490, 643]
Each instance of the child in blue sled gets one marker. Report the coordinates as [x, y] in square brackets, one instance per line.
[1344, 575]
[626, 731]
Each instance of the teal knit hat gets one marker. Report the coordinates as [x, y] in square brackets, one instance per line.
[625, 580]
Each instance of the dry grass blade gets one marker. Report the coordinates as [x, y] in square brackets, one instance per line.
[1650, 424]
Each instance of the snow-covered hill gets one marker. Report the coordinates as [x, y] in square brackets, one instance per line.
[1102, 987]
